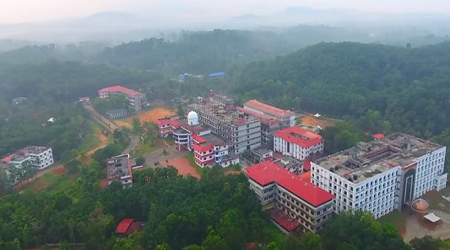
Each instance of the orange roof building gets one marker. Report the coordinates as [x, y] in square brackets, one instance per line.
[295, 195]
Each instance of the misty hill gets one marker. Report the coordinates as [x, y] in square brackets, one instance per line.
[206, 52]
[408, 86]
[36, 54]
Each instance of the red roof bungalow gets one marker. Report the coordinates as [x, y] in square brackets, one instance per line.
[127, 227]
[378, 136]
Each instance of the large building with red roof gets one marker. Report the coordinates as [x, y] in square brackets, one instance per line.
[297, 142]
[136, 99]
[272, 119]
[301, 201]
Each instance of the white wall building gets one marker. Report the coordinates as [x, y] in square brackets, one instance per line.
[382, 175]
[297, 142]
[39, 157]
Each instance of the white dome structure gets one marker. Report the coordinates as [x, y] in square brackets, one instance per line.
[192, 118]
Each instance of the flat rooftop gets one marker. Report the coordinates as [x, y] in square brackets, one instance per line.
[368, 159]
[212, 140]
[192, 128]
[219, 112]
[118, 167]
[261, 150]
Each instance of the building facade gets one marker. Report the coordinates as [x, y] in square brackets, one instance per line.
[190, 134]
[241, 130]
[39, 157]
[117, 113]
[382, 175]
[306, 204]
[118, 168]
[272, 119]
[135, 99]
[298, 143]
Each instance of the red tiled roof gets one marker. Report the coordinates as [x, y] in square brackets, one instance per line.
[8, 158]
[123, 226]
[163, 121]
[306, 176]
[240, 121]
[378, 136]
[255, 104]
[284, 220]
[267, 172]
[203, 149]
[267, 120]
[198, 138]
[288, 135]
[120, 89]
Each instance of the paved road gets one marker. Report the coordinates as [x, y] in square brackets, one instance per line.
[158, 156]
[96, 116]
[135, 142]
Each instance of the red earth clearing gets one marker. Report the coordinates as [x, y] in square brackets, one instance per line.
[313, 121]
[60, 171]
[183, 166]
[147, 116]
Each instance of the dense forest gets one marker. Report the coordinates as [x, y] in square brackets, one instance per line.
[217, 212]
[408, 86]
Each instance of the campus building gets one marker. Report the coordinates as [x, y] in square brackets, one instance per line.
[298, 143]
[136, 99]
[118, 168]
[39, 157]
[272, 119]
[381, 175]
[190, 134]
[294, 202]
[241, 130]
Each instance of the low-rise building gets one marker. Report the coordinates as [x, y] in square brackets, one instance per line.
[117, 113]
[309, 205]
[118, 168]
[298, 143]
[136, 99]
[39, 157]
[382, 175]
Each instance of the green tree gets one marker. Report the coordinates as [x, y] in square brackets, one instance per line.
[140, 161]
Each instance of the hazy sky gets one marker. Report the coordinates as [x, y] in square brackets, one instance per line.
[23, 11]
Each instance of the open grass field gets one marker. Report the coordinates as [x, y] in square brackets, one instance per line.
[146, 116]
[56, 182]
[148, 148]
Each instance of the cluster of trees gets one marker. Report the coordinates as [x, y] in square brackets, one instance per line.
[217, 212]
[407, 86]
[29, 126]
[114, 102]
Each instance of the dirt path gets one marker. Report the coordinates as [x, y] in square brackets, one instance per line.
[103, 143]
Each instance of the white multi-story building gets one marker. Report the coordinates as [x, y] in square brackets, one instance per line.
[382, 175]
[298, 202]
[297, 142]
[39, 157]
